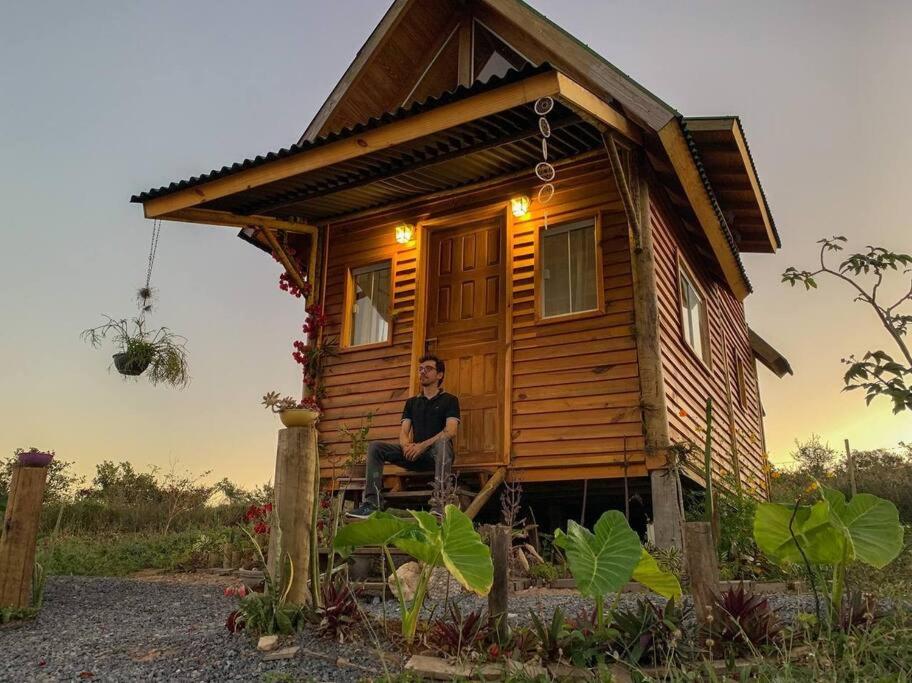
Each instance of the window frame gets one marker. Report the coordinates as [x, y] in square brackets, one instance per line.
[685, 271]
[564, 222]
[351, 271]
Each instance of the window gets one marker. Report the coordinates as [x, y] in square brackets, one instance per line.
[693, 317]
[569, 271]
[369, 310]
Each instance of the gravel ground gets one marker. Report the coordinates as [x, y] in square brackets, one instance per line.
[105, 629]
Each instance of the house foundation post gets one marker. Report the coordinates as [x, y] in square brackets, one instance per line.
[19, 535]
[292, 539]
[666, 510]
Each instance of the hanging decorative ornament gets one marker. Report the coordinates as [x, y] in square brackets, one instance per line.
[544, 171]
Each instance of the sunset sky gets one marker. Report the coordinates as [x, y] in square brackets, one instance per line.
[101, 100]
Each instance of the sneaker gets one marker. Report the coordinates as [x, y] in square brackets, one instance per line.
[363, 511]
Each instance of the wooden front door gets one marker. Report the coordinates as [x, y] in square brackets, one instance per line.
[465, 329]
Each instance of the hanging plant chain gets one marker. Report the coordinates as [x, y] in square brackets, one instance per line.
[156, 231]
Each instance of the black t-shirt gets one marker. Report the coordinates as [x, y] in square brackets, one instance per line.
[429, 415]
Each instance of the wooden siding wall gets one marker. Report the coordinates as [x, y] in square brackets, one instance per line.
[371, 380]
[574, 384]
[688, 382]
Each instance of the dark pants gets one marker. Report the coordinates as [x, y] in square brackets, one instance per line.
[438, 457]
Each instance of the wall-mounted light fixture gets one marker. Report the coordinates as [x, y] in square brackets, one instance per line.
[520, 205]
[404, 233]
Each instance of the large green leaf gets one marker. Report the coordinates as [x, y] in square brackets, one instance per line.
[601, 562]
[381, 528]
[871, 524]
[821, 540]
[464, 554]
[655, 578]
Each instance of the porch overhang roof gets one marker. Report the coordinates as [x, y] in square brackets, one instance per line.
[466, 135]
[770, 357]
[730, 168]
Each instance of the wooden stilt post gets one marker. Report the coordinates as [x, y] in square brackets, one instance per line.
[702, 567]
[296, 480]
[19, 536]
[501, 542]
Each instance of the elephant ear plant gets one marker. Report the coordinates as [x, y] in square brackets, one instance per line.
[452, 543]
[604, 561]
[830, 532]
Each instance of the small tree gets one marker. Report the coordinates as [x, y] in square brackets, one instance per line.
[876, 372]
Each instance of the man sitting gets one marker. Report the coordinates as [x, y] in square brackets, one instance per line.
[429, 423]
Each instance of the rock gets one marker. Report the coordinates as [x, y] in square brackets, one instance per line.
[284, 653]
[408, 578]
[267, 643]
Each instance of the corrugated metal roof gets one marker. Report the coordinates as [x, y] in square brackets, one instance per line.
[459, 93]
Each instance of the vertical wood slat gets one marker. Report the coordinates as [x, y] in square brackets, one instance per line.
[19, 536]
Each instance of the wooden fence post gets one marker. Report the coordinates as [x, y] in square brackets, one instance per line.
[702, 567]
[19, 536]
[501, 542]
[297, 476]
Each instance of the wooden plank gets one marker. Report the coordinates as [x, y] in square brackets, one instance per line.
[230, 220]
[19, 535]
[486, 492]
[286, 262]
[702, 567]
[352, 147]
[582, 100]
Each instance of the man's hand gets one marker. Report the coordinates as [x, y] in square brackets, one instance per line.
[412, 451]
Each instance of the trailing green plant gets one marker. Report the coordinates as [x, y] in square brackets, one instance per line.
[604, 561]
[452, 543]
[160, 350]
[830, 532]
[456, 634]
[585, 643]
[651, 632]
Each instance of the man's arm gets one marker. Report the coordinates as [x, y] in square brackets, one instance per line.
[449, 432]
[405, 433]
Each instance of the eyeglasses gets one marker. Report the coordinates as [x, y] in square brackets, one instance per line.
[427, 368]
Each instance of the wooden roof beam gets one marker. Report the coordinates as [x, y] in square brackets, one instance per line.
[230, 220]
[675, 144]
[283, 257]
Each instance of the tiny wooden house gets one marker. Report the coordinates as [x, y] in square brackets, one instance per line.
[482, 186]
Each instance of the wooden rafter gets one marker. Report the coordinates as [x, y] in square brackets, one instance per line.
[282, 255]
[623, 185]
[230, 220]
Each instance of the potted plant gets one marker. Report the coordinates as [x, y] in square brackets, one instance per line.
[357, 454]
[291, 412]
[33, 457]
[159, 351]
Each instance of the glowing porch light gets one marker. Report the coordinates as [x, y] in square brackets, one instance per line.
[520, 205]
[404, 233]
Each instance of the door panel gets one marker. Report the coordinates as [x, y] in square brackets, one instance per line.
[465, 327]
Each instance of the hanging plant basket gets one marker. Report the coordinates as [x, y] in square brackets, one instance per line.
[131, 364]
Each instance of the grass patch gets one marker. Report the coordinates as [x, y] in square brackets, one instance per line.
[115, 554]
